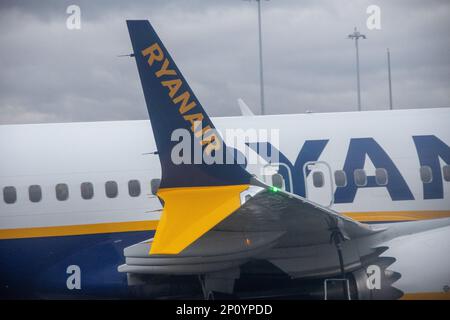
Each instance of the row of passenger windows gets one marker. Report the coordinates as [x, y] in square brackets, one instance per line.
[360, 177]
[381, 177]
[62, 191]
[134, 186]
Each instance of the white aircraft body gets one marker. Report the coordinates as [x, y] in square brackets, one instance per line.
[81, 205]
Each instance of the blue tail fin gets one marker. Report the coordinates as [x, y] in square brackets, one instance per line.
[172, 105]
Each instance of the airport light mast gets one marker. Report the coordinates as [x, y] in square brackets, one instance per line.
[355, 36]
[261, 73]
[390, 81]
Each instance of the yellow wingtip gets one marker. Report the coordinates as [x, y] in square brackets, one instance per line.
[190, 212]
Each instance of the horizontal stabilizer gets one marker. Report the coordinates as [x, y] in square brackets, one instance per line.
[245, 110]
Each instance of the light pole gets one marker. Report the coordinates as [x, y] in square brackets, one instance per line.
[390, 81]
[261, 72]
[356, 35]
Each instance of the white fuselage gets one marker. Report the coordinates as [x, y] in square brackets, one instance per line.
[97, 152]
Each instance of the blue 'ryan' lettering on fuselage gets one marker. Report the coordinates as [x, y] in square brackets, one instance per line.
[429, 149]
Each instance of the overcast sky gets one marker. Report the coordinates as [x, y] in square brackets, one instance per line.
[52, 74]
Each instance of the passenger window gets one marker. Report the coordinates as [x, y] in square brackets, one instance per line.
[9, 195]
[278, 181]
[318, 179]
[426, 174]
[154, 185]
[360, 177]
[87, 190]
[35, 193]
[340, 178]
[446, 170]
[111, 189]
[62, 191]
[381, 176]
[134, 188]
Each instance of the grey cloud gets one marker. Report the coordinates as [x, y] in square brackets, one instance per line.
[51, 74]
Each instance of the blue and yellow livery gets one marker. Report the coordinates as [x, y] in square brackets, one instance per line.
[190, 209]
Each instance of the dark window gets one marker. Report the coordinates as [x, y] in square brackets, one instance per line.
[426, 174]
[446, 170]
[87, 190]
[277, 181]
[111, 189]
[154, 185]
[35, 193]
[62, 191]
[340, 178]
[360, 177]
[134, 188]
[381, 176]
[318, 179]
[9, 194]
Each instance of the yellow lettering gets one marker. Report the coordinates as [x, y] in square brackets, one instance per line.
[172, 85]
[201, 132]
[164, 71]
[154, 52]
[184, 98]
[195, 119]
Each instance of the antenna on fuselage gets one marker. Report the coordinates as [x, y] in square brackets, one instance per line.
[131, 55]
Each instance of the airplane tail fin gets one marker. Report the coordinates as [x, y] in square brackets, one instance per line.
[198, 185]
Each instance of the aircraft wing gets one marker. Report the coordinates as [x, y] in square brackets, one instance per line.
[268, 218]
[216, 215]
[275, 210]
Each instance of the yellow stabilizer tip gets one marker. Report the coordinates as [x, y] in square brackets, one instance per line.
[189, 212]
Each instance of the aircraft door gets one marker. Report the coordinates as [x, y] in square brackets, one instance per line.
[319, 182]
